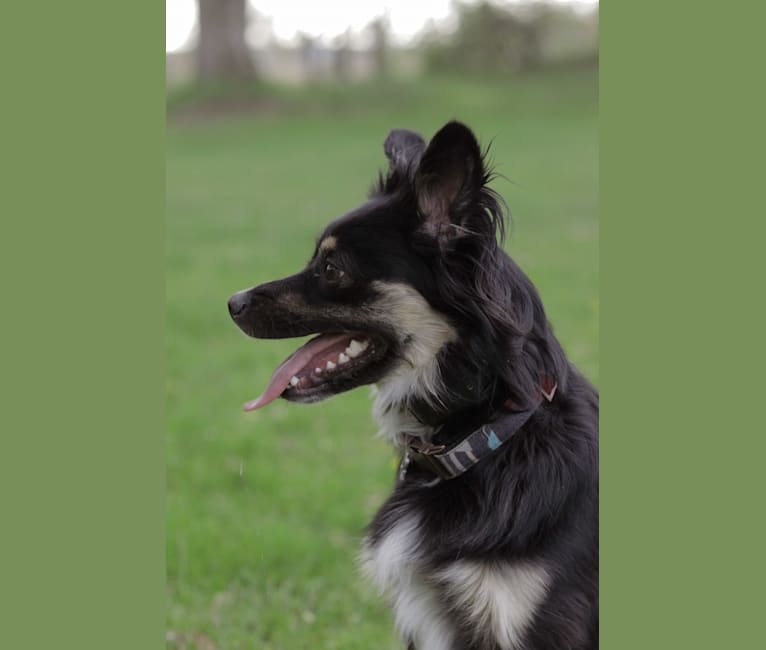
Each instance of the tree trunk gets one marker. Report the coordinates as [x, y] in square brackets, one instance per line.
[380, 46]
[222, 52]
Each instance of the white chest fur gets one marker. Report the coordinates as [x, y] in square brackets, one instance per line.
[498, 600]
[393, 566]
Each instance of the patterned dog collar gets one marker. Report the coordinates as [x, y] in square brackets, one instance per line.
[452, 462]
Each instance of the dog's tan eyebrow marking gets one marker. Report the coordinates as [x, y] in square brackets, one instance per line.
[328, 244]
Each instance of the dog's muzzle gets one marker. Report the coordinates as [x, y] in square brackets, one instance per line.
[263, 313]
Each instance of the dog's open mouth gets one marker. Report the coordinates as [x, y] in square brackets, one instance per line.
[327, 364]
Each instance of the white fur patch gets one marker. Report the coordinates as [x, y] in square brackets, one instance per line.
[500, 600]
[390, 562]
[419, 617]
[393, 566]
[422, 333]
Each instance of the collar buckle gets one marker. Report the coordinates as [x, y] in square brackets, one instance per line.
[425, 448]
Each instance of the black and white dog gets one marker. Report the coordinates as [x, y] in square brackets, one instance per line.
[490, 537]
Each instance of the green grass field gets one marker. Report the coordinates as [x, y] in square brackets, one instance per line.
[265, 510]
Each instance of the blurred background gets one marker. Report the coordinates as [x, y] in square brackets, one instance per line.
[277, 111]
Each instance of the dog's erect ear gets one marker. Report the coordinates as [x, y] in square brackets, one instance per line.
[448, 179]
[403, 149]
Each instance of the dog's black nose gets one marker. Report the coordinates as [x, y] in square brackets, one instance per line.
[238, 304]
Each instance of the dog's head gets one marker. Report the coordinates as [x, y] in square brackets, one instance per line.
[394, 285]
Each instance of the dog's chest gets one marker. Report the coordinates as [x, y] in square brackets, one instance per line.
[495, 602]
[393, 566]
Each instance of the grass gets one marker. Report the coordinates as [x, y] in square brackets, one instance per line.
[265, 510]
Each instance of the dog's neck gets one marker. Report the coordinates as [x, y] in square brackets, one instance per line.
[396, 423]
[422, 416]
[448, 392]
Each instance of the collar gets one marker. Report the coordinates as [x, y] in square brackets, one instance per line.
[448, 463]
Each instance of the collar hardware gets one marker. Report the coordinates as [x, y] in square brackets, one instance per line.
[425, 448]
[548, 388]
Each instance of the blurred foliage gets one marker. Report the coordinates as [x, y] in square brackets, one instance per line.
[492, 37]
[486, 37]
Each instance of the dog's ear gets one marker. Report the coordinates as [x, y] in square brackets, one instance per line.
[403, 149]
[448, 180]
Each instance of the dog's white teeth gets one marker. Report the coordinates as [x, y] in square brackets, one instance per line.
[318, 371]
[294, 381]
[330, 365]
[355, 348]
[343, 358]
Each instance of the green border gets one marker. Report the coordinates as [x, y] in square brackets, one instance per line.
[82, 460]
[82, 463]
[681, 173]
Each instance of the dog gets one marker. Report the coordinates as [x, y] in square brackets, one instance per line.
[489, 540]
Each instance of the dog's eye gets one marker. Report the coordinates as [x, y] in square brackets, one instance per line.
[332, 273]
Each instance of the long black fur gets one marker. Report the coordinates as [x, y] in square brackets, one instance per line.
[537, 496]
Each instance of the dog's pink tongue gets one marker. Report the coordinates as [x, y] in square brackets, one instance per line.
[291, 367]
